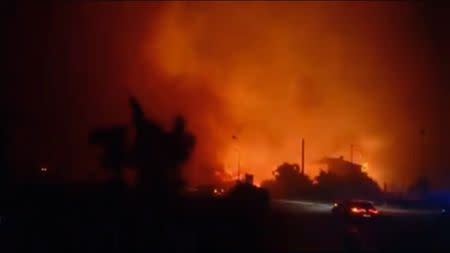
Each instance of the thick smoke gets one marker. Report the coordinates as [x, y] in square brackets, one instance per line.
[269, 73]
[335, 74]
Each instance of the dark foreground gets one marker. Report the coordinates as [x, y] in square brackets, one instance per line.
[297, 230]
[49, 220]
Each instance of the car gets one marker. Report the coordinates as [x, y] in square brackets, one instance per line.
[355, 208]
[207, 191]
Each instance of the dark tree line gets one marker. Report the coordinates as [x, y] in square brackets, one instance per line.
[150, 206]
[155, 154]
[358, 185]
[289, 182]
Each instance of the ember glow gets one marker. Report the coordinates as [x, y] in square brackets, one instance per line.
[331, 73]
[269, 73]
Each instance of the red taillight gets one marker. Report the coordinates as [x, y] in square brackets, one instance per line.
[357, 210]
[374, 211]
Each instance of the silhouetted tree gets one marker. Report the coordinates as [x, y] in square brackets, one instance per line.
[113, 142]
[288, 182]
[249, 206]
[360, 185]
[268, 184]
[181, 144]
[327, 183]
[364, 186]
[157, 154]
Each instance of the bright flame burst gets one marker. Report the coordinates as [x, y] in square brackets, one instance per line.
[365, 167]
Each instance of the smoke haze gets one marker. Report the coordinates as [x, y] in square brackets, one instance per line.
[268, 73]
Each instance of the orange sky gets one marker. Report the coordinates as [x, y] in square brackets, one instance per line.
[335, 73]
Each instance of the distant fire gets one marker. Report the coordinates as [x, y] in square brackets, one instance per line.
[323, 72]
[252, 78]
[365, 166]
[280, 79]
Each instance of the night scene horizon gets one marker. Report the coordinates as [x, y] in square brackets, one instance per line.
[197, 116]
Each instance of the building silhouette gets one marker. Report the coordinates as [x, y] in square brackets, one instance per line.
[341, 167]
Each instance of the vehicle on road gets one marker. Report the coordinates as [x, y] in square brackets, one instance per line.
[355, 208]
[208, 191]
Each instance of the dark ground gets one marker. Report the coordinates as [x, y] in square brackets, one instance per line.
[321, 232]
[56, 219]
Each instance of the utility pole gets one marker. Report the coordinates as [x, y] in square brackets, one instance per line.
[351, 153]
[239, 165]
[303, 156]
[238, 158]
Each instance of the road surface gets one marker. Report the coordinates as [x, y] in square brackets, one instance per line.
[325, 207]
[304, 226]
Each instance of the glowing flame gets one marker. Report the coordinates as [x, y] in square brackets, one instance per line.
[365, 166]
[291, 71]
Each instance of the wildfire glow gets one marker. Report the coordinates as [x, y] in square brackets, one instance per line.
[367, 74]
[273, 73]
[365, 166]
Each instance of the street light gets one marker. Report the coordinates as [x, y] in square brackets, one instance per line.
[238, 157]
